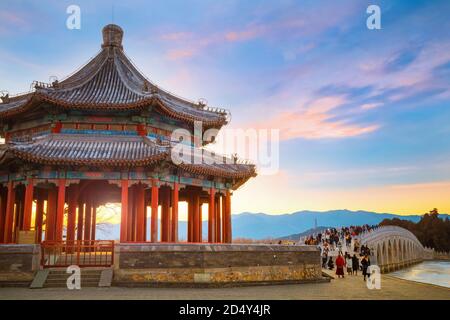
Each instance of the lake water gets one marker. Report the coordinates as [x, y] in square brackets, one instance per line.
[434, 272]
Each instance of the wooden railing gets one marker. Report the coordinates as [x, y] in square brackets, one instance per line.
[83, 253]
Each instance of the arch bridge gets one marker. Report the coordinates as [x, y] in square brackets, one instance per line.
[393, 247]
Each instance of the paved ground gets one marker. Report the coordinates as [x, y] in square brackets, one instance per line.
[351, 287]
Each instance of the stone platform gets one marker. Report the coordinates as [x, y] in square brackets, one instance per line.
[214, 264]
[18, 264]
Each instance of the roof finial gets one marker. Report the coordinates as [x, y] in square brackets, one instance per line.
[112, 36]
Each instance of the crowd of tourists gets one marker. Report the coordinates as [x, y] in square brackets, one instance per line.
[347, 262]
[332, 239]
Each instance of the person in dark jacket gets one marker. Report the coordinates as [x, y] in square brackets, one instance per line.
[355, 264]
[330, 263]
[324, 259]
[365, 263]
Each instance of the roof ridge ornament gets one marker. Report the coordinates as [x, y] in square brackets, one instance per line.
[4, 96]
[112, 36]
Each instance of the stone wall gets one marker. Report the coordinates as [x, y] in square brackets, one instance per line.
[18, 263]
[214, 264]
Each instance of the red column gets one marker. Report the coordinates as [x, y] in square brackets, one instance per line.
[200, 221]
[165, 214]
[174, 231]
[211, 216]
[124, 212]
[190, 223]
[218, 237]
[154, 217]
[3, 197]
[94, 221]
[131, 214]
[50, 223]
[72, 212]
[196, 213]
[80, 220]
[39, 218]
[224, 219]
[28, 208]
[60, 209]
[9, 213]
[140, 213]
[228, 217]
[88, 218]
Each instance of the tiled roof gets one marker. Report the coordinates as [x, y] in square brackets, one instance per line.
[113, 151]
[67, 149]
[110, 81]
[237, 171]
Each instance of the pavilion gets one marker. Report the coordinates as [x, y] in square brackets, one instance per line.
[103, 135]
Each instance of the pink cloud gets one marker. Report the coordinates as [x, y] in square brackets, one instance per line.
[246, 34]
[369, 106]
[177, 54]
[176, 36]
[314, 121]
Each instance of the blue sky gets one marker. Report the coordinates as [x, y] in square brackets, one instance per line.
[364, 114]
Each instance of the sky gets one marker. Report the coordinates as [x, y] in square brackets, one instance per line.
[363, 114]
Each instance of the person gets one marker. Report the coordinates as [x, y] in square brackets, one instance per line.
[324, 259]
[356, 245]
[355, 264]
[340, 263]
[365, 263]
[349, 263]
[330, 263]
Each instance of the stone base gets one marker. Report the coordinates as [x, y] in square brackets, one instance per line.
[214, 264]
[18, 264]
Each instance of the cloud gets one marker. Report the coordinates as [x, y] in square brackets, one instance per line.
[369, 106]
[316, 121]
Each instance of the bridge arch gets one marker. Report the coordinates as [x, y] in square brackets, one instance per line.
[393, 247]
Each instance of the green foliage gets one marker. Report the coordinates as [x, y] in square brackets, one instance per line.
[432, 231]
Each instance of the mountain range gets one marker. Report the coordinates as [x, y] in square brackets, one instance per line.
[262, 226]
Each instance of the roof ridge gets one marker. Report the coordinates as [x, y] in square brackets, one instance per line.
[83, 80]
[117, 56]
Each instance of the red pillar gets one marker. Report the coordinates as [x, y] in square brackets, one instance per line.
[8, 236]
[174, 231]
[3, 200]
[228, 217]
[80, 220]
[140, 213]
[51, 215]
[60, 209]
[18, 220]
[88, 218]
[72, 213]
[154, 217]
[197, 220]
[211, 216]
[224, 219]
[39, 218]
[218, 237]
[124, 212]
[165, 214]
[94, 221]
[190, 223]
[200, 221]
[130, 219]
[28, 207]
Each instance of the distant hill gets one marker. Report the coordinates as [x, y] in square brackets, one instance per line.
[262, 226]
[302, 234]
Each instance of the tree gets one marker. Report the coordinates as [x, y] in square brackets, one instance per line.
[432, 231]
